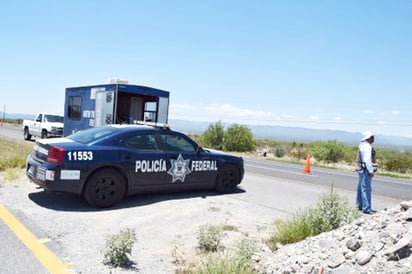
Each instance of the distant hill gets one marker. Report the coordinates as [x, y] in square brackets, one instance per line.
[298, 134]
[281, 133]
[17, 116]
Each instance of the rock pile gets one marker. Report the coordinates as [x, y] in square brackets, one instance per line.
[376, 243]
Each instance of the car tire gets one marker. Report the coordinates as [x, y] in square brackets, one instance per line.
[26, 134]
[44, 134]
[105, 188]
[227, 179]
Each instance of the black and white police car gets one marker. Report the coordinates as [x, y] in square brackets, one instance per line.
[104, 164]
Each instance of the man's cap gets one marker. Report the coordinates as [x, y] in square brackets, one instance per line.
[366, 135]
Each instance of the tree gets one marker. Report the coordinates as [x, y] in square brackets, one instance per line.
[213, 136]
[330, 152]
[239, 138]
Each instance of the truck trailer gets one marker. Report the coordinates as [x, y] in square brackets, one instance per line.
[113, 103]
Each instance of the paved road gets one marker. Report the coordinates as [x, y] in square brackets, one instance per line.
[400, 189]
[15, 257]
[10, 131]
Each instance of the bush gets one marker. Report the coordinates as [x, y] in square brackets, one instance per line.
[226, 264]
[401, 162]
[329, 152]
[239, 138]
[246, 249]
[118, 247]
[213, 136]
[331, 212]
[293, 230]
[298, 151]
[281, 150]
[209, 237]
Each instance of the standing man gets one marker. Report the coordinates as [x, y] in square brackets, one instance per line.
[366, 167]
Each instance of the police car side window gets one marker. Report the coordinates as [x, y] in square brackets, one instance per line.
[141, 142]
[177, 143]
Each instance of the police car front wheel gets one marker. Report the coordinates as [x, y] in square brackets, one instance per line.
[228, 179]
[105, 188]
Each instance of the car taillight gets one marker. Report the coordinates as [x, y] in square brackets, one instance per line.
[56, 155]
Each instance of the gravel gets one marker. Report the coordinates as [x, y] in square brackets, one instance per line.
[166, 226]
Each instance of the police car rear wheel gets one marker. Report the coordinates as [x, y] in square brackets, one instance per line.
[228, 179]
[105, 188]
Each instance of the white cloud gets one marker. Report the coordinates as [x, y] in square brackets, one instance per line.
[218, 112]
[313, 118]
[368, 111]
[287, 117]
[181, 106]
[230, 111]
[396, 112]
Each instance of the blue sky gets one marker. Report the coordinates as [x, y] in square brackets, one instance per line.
[319, 64]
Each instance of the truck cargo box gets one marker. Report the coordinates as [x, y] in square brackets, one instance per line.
[97, 105]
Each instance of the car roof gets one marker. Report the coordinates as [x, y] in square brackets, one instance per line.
[109, 131]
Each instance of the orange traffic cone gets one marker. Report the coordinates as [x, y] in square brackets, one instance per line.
[307, 165]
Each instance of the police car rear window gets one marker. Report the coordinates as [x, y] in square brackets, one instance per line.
[91, 135]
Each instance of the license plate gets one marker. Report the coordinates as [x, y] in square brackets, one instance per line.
[41, 174]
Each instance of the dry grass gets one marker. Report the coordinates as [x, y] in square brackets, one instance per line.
[13, 155]
[13, 175]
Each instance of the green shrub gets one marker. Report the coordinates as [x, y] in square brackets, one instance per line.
[329, 152]
[213, 136]
[246, 249]
[401, 162]
[281, 150]
[293, 230]
[226, 264]
[209, 237]
[118, 247]
[223, 262]
[298, 151]
[331, 212]
[239, 138]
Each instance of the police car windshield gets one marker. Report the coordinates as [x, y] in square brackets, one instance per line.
[91, 134]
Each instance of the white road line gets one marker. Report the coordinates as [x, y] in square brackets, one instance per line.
[281, 170]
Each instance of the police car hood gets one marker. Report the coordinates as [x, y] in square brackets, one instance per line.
[218, 152]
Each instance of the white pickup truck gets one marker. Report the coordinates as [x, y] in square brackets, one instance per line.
[46, 125]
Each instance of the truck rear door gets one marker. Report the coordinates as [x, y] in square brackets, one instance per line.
[104, 108]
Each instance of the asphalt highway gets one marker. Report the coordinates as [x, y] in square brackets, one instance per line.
[400, 189]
